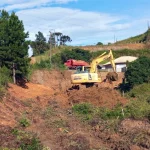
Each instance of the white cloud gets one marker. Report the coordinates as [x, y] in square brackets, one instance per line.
[84, 27]
[81, 26]
[24, 4]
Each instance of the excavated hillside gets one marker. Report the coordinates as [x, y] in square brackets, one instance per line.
[47, 103]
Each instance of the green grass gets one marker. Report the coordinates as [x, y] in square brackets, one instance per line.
[48, 112]
[24, 122]
[83, 108]
[137, 39]
[27, 140]
[138, 108]
[46, 54]
[141, 92]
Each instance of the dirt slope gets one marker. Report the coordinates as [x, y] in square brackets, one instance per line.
[31, 91]
[47, 105]
[104, 97]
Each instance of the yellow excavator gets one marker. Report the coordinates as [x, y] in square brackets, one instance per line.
[89, 75]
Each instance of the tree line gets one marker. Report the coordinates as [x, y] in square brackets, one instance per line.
[40, 45]
[14, 45]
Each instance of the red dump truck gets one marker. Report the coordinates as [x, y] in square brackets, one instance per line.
[73, 64]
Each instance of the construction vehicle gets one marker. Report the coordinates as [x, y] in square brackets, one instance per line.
[73, 64]
[89, 75]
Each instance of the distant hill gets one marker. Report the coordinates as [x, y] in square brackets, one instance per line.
[142, 38]
[138, 42]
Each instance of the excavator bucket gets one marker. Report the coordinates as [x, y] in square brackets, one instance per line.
[112, 76]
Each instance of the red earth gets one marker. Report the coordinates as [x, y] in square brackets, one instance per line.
[47, 102]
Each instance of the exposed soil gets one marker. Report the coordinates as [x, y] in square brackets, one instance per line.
[104, 97]
[47, 103]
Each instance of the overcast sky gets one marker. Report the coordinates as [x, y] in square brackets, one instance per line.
[85, 21]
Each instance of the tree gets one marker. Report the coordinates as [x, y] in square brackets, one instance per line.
[78, 54]
[58, 35]
[13, 45]
[99, 43]
[138, 71]
[39, 45]
[64, 39]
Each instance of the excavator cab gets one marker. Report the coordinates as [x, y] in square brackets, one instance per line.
[82, 69]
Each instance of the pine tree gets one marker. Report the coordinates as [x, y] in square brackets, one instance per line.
[39, 46]
[13, 44]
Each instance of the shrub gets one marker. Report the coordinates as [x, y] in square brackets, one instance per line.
[138, 109]
[99, 43]
[141, 92]
[4, 79]
[78, 54]
[138, 71]
[4, 76]
[115, 113]
[2, 93]
[33, 144]
[43, 64]
[24, 122]
[27, 140]
[83, 109]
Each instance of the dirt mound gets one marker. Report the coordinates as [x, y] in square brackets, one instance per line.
[57, 80]
[31, 91]
[60, 82]
[98, 96]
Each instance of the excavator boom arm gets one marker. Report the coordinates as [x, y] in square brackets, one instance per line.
[101, 58]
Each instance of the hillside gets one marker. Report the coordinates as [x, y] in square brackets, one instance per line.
[45, 110]
[132, 46]
[116, 47]
[142, 38]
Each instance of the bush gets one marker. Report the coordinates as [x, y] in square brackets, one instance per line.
[24, 122]
[83, 109]
[78, 54]
[4, 79]
[27, 140]
[43, 64]
[138, 72]
[138, 109]
[140, 91]
[4, 76]
[33, 144]
[99, 43]
[2, 93]
[115, 113]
